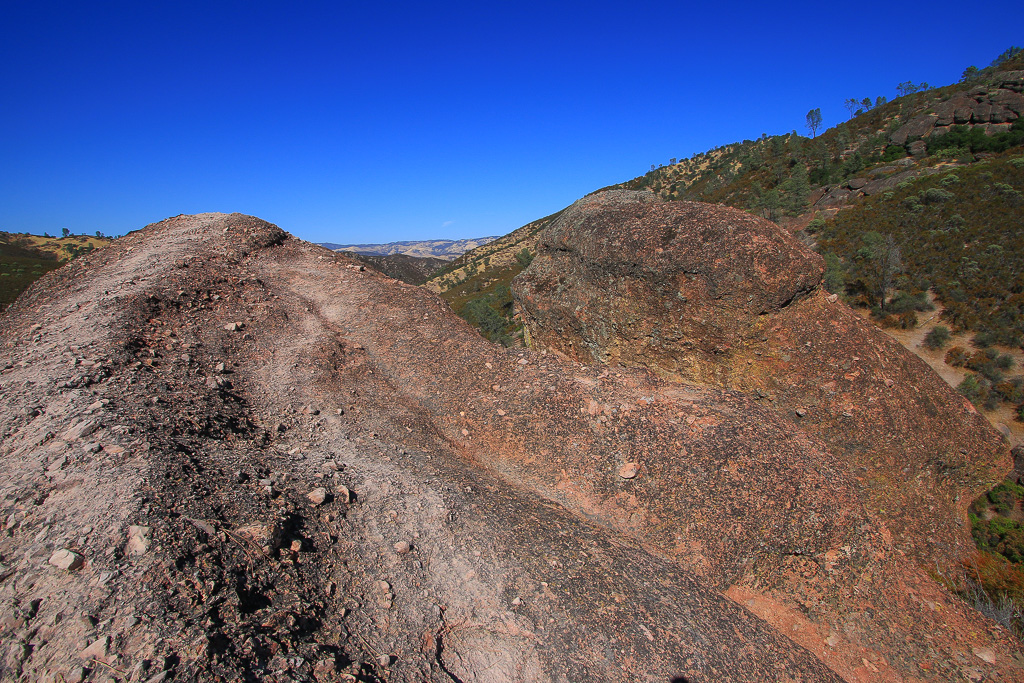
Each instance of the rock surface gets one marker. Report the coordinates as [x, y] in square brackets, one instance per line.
[739, 550]
[713, 295]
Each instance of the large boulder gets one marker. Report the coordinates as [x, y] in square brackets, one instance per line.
[711, 295]
[495, 515]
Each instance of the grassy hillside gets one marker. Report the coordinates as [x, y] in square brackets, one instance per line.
[476, 285]
[26, 258]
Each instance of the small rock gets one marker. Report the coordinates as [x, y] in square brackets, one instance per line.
[384, 586]
[629, 470]
[67, 560]
[219, 368]
[80, 430]
[800, 412]
[833, 298]
[384, 660]
[985, 654]
[402, 547]
[344, 495]
[138, 539]
[233, 327]
[329, 466]
[523, 361]
[98, 650]
[266, 536]
[317, 496]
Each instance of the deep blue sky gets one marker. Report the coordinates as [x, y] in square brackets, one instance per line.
[380, 121]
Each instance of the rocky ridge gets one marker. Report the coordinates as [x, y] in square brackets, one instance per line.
[234, 455]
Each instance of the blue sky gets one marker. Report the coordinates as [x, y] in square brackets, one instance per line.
[375, 122]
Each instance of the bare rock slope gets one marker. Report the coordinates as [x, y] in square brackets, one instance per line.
[232, 455]
[713, 295]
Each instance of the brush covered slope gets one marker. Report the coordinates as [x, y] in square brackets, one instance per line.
[233, 455]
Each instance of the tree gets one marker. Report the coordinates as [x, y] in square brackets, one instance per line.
[866, 103]
[524, 257]
[1007, 54]
[99, 234]
[65, 232]
[882, 262]
[880, 100]
[851, 105]
[795, 190]
[766, 202]
[909, 88]
[814, 121]
[969, 74]
[834, 280]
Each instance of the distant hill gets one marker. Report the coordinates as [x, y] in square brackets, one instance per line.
[25, 258]
[414, 270]
[443, 249]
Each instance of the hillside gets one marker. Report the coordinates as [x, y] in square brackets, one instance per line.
[476, 285]
[915, 203]
[233, 455]
[25, 258]
[415, 270]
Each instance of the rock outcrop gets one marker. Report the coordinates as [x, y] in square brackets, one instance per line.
[712, 295]
[993, 109]
[267, 463]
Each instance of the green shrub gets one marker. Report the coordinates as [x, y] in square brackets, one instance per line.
[972, 390]
[936, 195]
[905, 301]
[937, 337]
[957, 357]
[816, 224]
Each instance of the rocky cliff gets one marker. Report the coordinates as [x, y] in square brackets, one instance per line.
[993, 108]
[232, 455]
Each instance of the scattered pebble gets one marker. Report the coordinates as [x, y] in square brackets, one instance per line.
[629, 470]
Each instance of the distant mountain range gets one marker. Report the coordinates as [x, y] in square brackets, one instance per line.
[443, 249]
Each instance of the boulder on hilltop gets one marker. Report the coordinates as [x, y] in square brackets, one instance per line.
[270, 464]
[712, 295]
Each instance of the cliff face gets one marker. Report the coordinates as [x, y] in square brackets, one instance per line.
[712, 295]
[992, 108]
[229, 453]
